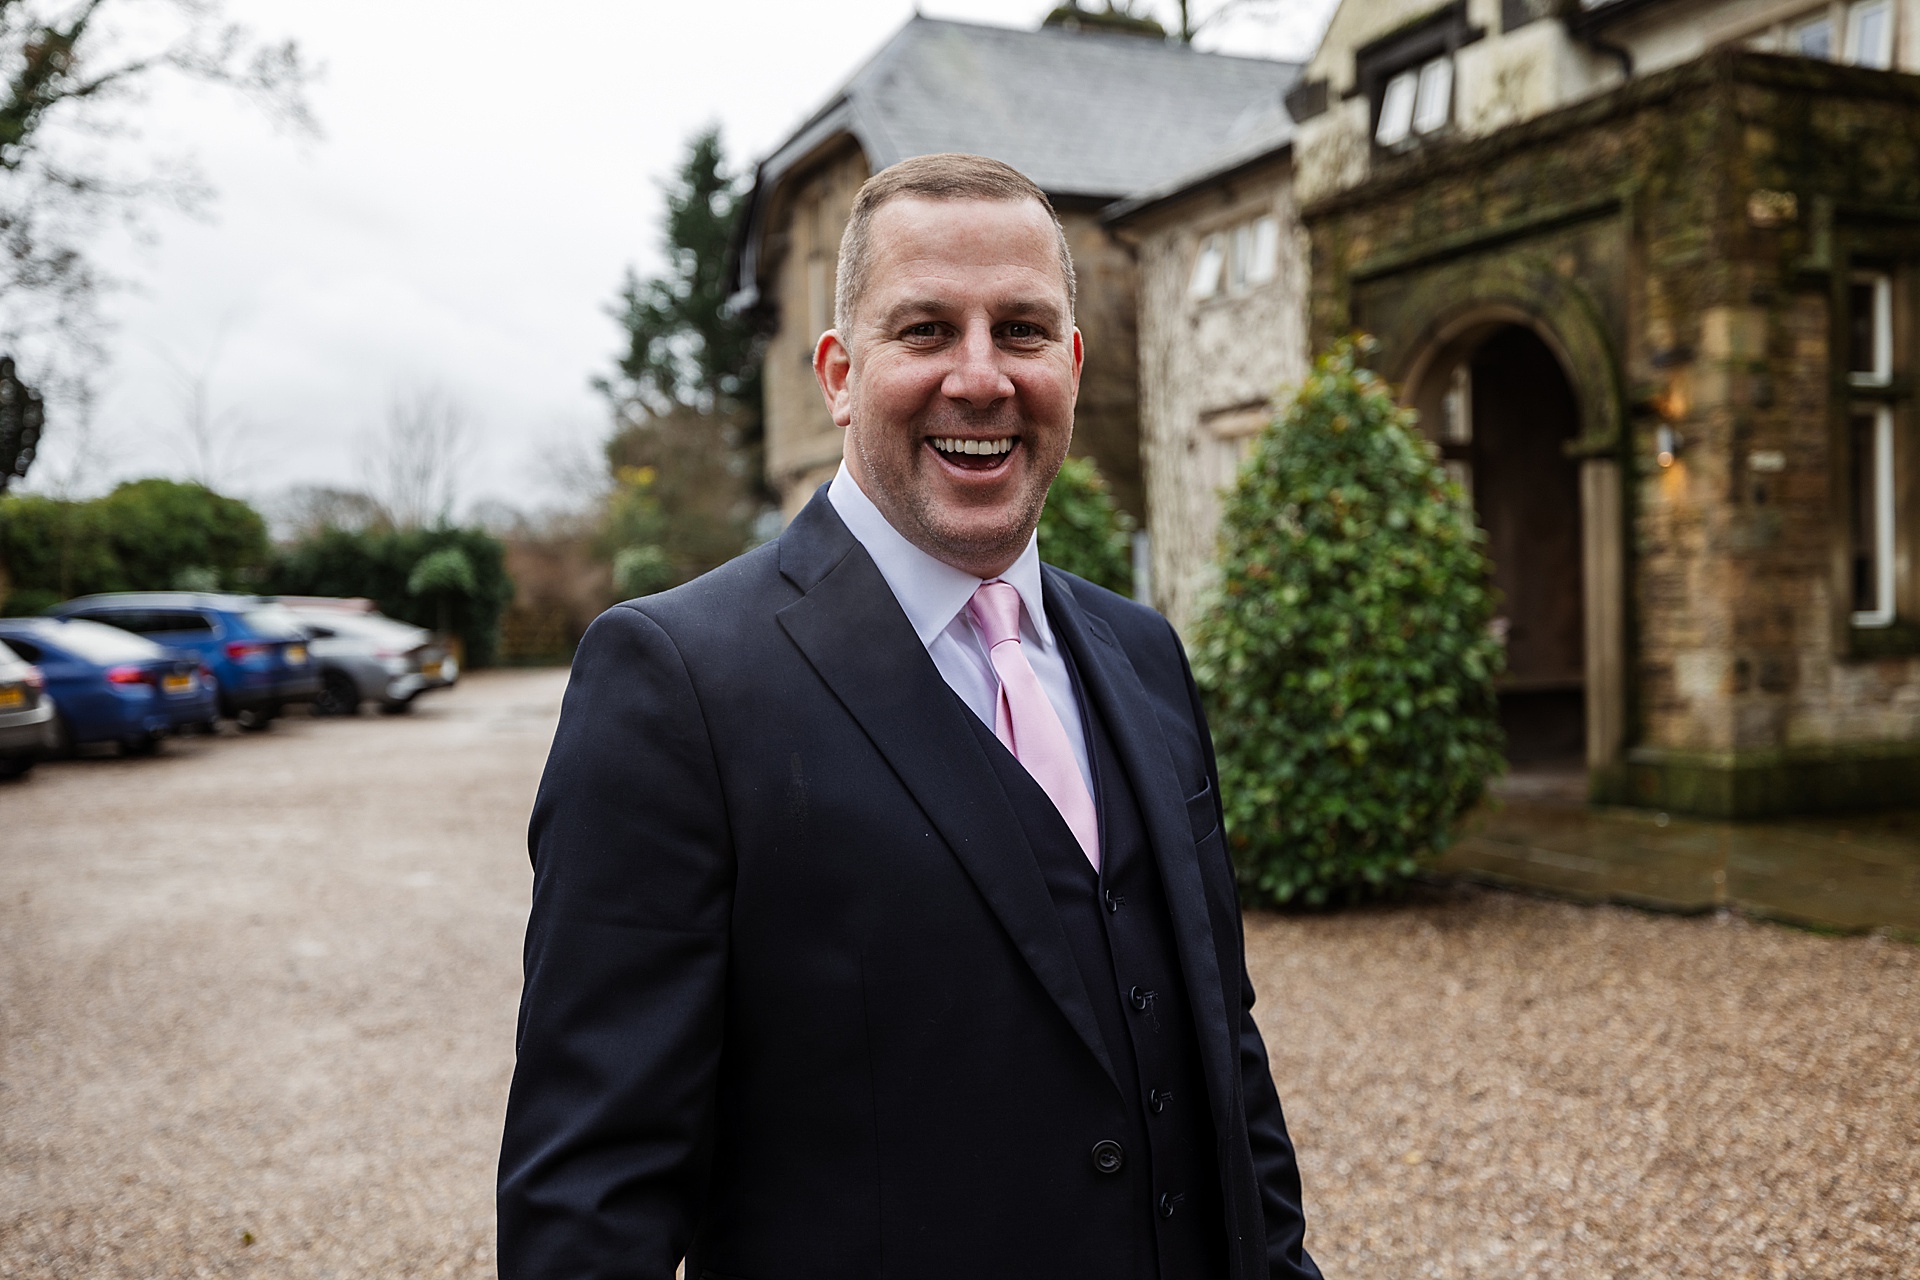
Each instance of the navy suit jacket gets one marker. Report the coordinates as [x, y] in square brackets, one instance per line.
[798, 1004]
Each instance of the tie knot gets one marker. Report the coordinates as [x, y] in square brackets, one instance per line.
[996, 611]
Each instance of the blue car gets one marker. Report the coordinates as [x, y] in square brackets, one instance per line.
[256, 649]
[108, 686]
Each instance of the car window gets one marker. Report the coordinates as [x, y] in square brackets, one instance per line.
[178, 622]
[274, 622]
[8, 655]
[27, 649]
[94, 642]
[134, 620]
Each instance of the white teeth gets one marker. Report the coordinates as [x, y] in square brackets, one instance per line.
[953, 444]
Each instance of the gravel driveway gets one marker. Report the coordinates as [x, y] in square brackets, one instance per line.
[256, 1019]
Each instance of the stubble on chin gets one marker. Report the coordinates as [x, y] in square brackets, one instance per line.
[933, 527]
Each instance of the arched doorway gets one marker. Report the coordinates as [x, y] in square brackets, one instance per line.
[1496, 399]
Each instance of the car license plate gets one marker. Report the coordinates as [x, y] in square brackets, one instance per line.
[12, 696]
[296, 655]
[177, 684]
[431, 670]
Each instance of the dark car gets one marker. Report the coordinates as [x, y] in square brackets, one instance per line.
[109, 686]
[255, 648]
[26, 714]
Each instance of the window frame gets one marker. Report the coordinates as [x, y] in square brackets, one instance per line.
[1850, 52]
[1880, 399]
[1235, 258]
[1390, 59]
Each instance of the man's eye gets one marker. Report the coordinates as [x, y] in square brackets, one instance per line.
[927, 330]
[1021, 331]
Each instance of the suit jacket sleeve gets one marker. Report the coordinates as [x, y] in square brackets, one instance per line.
[610, 1114]
[1273, 1160]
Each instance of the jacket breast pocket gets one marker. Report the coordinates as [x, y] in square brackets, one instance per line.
[1201, 817]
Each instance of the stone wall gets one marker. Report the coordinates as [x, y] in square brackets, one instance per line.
[1686, 240]
[1210, 369]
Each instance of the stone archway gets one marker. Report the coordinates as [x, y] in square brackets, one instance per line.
[1515, 380]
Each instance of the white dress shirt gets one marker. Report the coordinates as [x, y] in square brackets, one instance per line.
[934, 596]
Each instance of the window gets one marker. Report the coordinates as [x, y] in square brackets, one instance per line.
[1433, 105]
[1873, 527]
[1860, 33]
[177, 622]
[1870, 329]
[1239, 258]
[1396, 109]
[1207, 265]
[1417, 102]
[1813, 38]
[1870, 34]
[1407, 75]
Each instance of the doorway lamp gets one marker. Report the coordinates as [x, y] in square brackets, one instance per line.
[1667, 444]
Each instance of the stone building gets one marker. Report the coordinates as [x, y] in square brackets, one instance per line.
[1648, 270]
[1091, 115]
[1223, 283]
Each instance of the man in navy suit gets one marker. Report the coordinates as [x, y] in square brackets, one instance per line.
[882, 921]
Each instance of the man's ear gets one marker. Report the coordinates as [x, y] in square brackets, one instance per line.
[1079, 358]
[833, 370]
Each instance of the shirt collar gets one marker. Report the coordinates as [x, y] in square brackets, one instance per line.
[930, 591]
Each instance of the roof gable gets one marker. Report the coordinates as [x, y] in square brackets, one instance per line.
[1087, 115]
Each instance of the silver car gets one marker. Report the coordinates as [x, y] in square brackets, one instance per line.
[26, 714]
[366, 657]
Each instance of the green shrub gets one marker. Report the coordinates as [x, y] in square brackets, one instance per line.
[1081, 530]
[448, 579]
[147, 535]
[1346, 658]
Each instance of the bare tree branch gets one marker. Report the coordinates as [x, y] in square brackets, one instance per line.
[415, 468]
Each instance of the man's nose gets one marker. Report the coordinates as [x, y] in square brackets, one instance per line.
[976, 377]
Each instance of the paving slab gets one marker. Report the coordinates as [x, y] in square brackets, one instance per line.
[1858, 872]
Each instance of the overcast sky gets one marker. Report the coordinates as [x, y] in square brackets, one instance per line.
[487, 172]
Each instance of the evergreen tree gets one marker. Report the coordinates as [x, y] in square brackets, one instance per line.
[1347, 659]
[686, 390]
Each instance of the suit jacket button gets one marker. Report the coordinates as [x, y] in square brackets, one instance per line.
[1108, 1156]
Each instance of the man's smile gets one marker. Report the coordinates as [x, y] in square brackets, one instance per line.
[973, 455]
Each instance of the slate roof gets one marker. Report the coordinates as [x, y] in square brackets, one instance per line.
[1259, 138]
[1089, 116]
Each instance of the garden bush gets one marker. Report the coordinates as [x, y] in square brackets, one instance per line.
[146, 535]
[446, 579]
[1083, 532]
[1346, 657]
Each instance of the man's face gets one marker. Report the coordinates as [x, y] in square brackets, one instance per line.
[957, 381]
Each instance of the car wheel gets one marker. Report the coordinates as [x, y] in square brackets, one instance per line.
[400, 708]
[144, 744]
[256, 719]
[59, 737]
[338, 696]
[15, 767]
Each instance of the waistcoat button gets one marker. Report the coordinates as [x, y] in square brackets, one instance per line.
[1168, 1203]
[1108, 1156]
[1141, 997]
[1157, 1100]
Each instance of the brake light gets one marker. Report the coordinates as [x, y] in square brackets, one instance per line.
[129, 675]
[34, 679]
[242, 650]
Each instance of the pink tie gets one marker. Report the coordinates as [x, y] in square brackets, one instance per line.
[1024, 719]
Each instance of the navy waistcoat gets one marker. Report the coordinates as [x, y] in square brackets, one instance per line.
[1122, 938]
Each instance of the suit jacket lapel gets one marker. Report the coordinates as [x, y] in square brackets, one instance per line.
[853, 632]
[1113, 687]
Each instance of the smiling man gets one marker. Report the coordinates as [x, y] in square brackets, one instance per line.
[882, 920]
